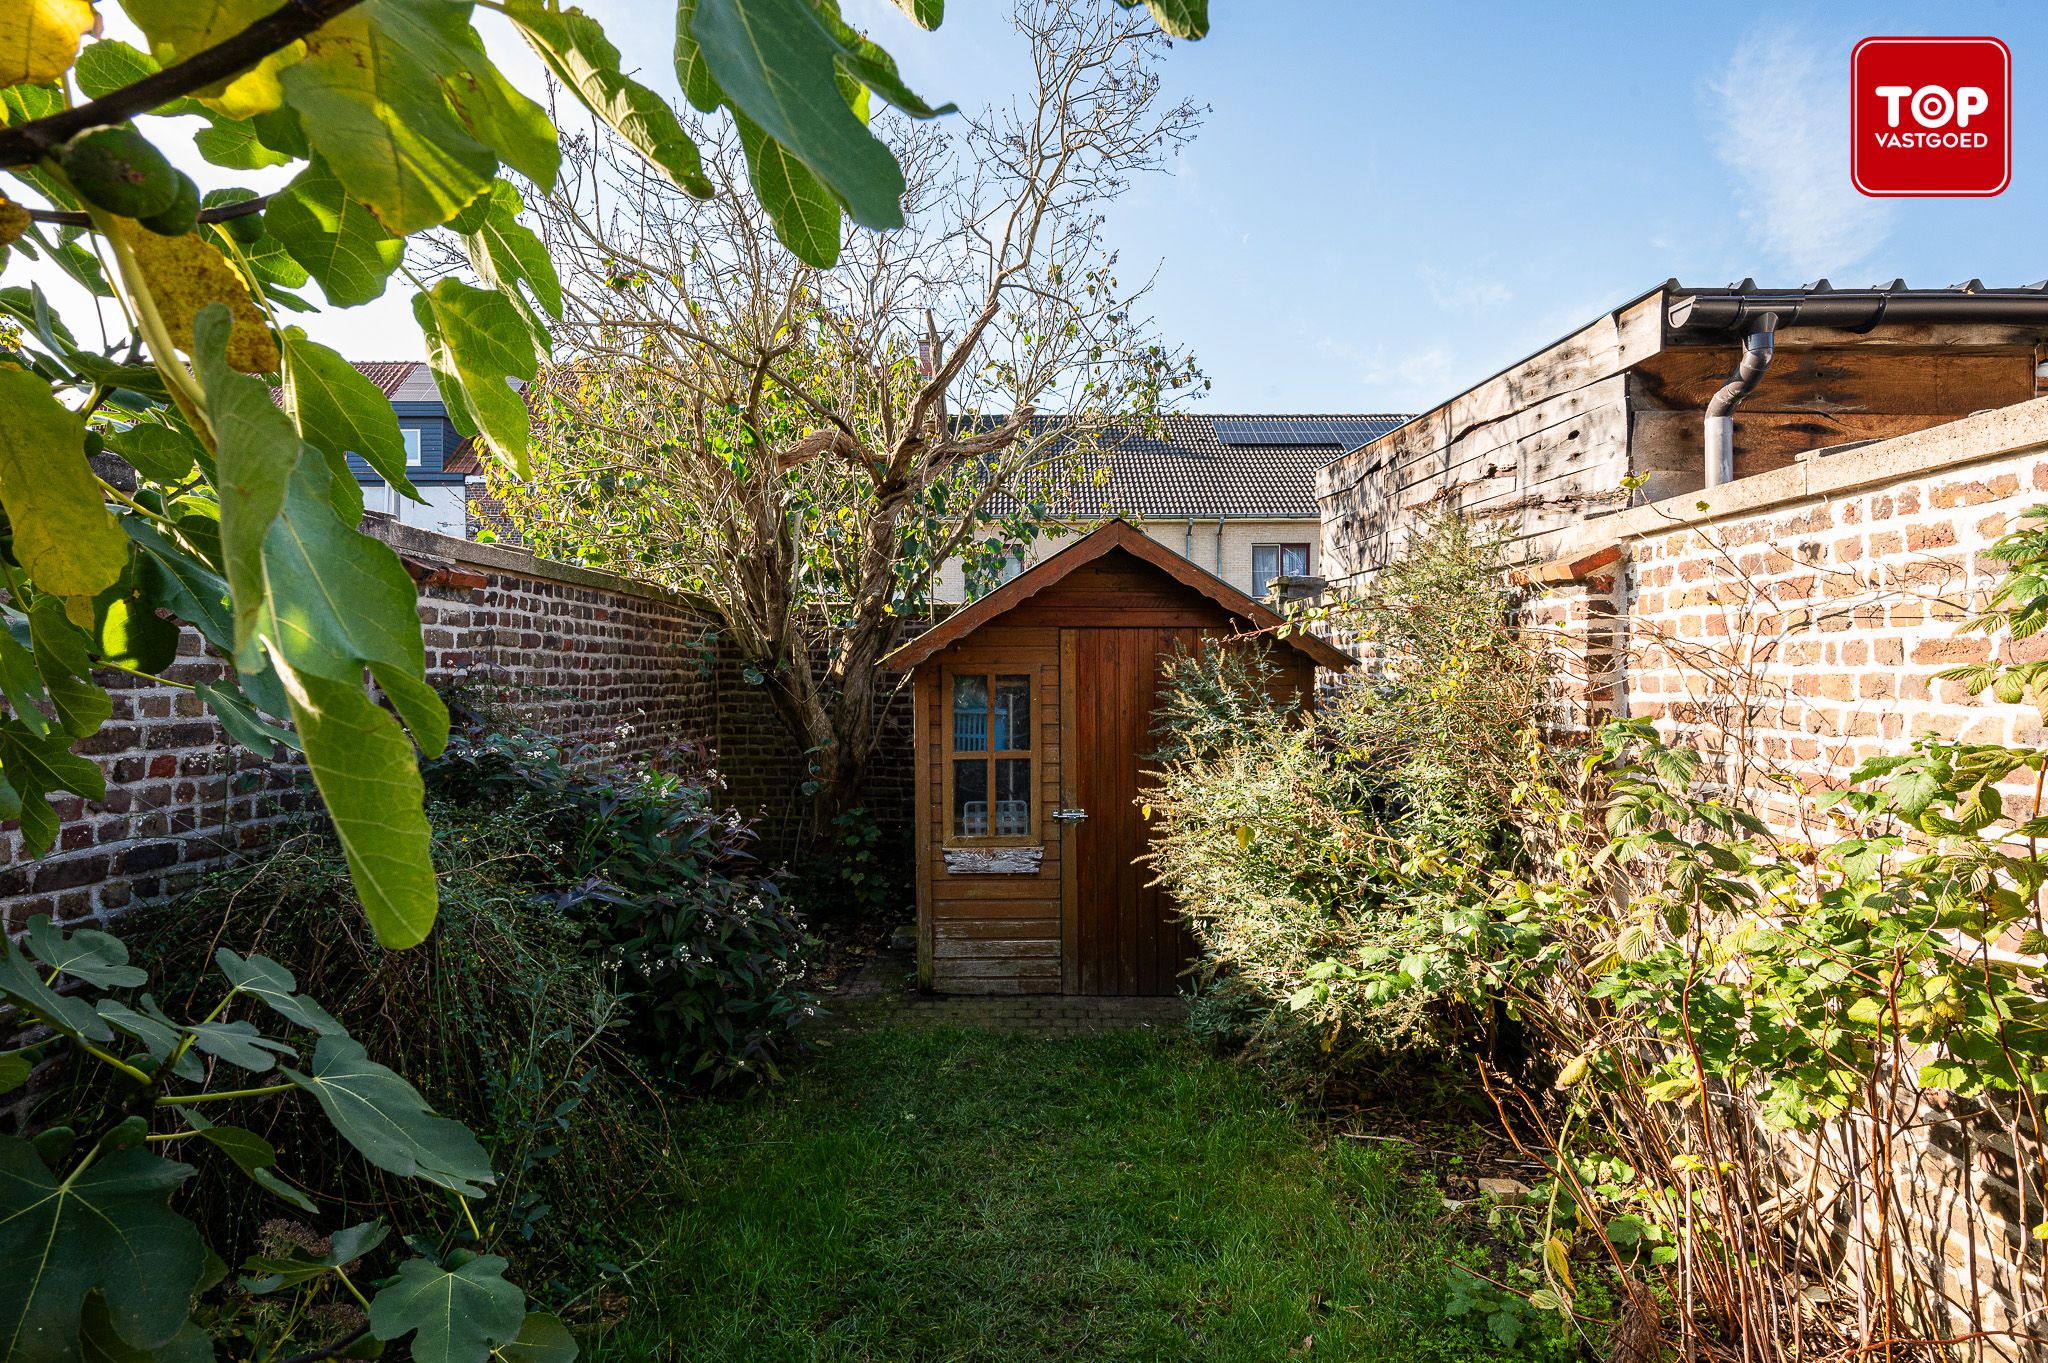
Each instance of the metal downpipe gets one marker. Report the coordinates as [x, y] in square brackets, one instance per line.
[1757, 348]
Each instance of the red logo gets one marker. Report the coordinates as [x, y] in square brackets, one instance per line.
[1931, 117]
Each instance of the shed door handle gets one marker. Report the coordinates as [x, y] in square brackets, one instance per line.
[1070, 815]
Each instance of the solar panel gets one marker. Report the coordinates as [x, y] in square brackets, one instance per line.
[1347, 432]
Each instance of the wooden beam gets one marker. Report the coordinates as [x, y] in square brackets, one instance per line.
[1575, 569]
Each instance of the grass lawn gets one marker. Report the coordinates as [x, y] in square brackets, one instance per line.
[919, 1196]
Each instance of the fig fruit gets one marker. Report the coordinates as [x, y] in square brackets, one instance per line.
[117, 169]
[183, 214]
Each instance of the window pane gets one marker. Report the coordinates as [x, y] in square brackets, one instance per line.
[1294, 560]
[970, 798]
[1013, 797]
[412, 435]
[1013, 714]
[1265, 563]
[970, 714]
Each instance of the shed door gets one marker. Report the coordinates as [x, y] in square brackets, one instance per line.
[1120, 935]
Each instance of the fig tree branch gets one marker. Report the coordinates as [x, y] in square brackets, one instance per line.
[29, 142]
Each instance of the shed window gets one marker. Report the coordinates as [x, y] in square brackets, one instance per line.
[1276, 560]
[991, 776]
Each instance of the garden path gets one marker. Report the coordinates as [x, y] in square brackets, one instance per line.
[883, 992]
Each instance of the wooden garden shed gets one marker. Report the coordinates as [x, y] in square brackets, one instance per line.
[1033, 710]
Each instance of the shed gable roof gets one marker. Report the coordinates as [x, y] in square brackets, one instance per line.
[1116, 535]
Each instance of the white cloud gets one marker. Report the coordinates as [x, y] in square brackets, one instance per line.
[1780, 110]
[1461, 293]
[1395, 380]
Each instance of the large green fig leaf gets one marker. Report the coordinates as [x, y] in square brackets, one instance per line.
[805, 214]
[107, 1228]
[574, 47]
[239, 1044]
[925, 13]
[20, 682]
[328, 601]
[262, 978]
[504, 252]
[454, 1317]
[22, 985]
[32, 766]
[340, 411]
[365, 771]
[88, 954]
[63, 534]
[335, 237]
[373, 106]
[251, 1154]
[64, 663]
[160, 1036]
[777, 62]
[1177, 18]
[244, 722]
[476, 341]
[388, 1121]
[542, 1339]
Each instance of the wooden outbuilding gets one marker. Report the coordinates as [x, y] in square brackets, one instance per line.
[1033, 715]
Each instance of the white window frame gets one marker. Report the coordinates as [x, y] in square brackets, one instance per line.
[1278, 550]
[415, 446]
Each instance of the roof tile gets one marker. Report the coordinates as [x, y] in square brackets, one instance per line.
[1186, 470]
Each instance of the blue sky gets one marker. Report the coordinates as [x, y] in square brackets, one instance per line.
[1389, 202]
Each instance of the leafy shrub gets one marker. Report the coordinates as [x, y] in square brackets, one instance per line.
[1326, 861]
[861, 875]
[502, 1016]
[664, 888]
[1869, 972]
[100, 1265]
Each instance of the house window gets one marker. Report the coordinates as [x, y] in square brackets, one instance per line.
[414, 437]
[1276, 560]
[991, 773]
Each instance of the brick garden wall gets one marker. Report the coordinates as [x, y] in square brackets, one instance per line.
[1793, 622]
[584, 656]
[1804, 611]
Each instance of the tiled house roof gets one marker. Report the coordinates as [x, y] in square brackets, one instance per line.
[388, 375]
[1206, 465]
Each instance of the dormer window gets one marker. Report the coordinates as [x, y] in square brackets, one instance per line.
[414, 453]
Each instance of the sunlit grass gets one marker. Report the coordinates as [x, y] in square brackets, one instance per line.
[953, 1195]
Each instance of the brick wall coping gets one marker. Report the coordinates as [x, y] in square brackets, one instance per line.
[1971, 440]
[415, 543]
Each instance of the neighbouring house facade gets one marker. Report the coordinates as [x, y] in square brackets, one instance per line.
[1234, 494]
[438, 459]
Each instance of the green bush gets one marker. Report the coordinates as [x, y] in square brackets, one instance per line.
[663, 885]
[103, 1252]
[1327, 862]
[861, 875]
[501, 1016]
